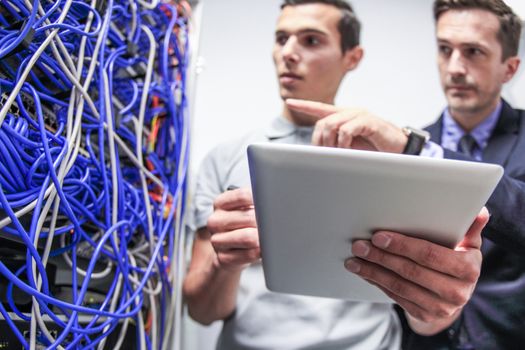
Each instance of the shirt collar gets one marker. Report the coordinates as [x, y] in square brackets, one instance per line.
[481, 133]
[282, 127]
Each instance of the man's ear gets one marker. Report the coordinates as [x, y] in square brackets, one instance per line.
[352, 58]
[512, 65]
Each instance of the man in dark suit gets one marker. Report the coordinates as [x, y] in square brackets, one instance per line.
[478, 44]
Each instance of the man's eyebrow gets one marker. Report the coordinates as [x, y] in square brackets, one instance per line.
[471, 44]
[302, 31]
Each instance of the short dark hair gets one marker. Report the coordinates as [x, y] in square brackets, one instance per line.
[349, 25]
[510, 24]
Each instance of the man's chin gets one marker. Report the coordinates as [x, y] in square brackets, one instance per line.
[289, 93]
[462, 104]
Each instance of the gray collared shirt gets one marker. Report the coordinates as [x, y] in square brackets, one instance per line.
[268, 320]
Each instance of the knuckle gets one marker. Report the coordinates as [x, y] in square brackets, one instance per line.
[400, 244]
[215, 242]
[346, 130]
[416, 313]
[330, 124]
[217, 202]
[252, 220]
[253, 254]
[380, 257]
[410, 271]
[459, 296]
[425, 317]
[245, 195]
[472, 268]
[442, 311]
[471, 275]
[212, 224]
[368, 273]
[249, 240]
[397, 287]
[223, 259]
[429, 255]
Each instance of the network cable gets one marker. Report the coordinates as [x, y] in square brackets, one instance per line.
[94, 133]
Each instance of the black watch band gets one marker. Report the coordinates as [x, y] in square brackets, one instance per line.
[416, 140]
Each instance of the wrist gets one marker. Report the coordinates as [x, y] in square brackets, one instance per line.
[228, 269]
[429, 328]
[416, 140]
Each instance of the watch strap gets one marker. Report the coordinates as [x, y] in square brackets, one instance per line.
[416, 140]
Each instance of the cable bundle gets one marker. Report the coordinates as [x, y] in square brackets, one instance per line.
[93, 163]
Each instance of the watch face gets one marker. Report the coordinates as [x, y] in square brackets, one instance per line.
[417, 132]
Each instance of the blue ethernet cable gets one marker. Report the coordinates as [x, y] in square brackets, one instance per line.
[85, 192]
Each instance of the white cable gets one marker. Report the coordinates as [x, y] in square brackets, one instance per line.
[36, 309]
[177, 268]
[112, 306]
[133, 29]
[95, 275]
[78, 96]
[41, 11]
[36, 314]
[139, 126]
[3, 113]
[149, 5]
[112, 155]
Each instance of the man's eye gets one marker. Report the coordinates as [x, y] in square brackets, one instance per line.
[474, 51]
[312, 41]
[444, 50]
[281, 39]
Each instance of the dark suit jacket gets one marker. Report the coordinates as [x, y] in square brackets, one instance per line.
[495, 316]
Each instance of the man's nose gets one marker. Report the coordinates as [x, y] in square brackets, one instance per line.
[290, 50]
[457, 64]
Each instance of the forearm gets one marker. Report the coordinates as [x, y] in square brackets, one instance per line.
[431, 327]
[211, 292]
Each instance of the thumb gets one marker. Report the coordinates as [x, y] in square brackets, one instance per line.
[473, 237]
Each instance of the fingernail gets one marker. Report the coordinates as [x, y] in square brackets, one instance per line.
[361, 249]
[352, 266]
[381, 239]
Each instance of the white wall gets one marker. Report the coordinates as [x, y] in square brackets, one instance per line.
[237, 90]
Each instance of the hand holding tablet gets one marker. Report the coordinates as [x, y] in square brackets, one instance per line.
[311, 203]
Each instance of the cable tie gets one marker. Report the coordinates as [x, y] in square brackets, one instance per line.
[16, 25]
[140, 70]
[178, 96]
[101, 6]
[132, 50]
[6, 14]
[118, 117]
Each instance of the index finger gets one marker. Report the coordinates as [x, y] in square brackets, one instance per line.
[234, 199]
[316, 109]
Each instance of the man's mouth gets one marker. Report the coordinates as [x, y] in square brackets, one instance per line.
[289, 78]
[460, 88]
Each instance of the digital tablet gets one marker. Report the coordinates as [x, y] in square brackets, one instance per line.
[312, 202]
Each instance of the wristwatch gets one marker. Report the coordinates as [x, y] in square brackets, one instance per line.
[416, 140]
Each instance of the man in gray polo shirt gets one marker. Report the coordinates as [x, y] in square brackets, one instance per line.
[316, 44]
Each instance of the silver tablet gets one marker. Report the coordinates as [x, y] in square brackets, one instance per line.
[312, 202]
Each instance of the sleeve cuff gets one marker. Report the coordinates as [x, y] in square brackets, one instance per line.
[432, 150]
